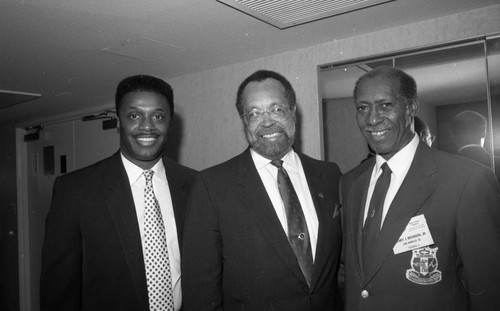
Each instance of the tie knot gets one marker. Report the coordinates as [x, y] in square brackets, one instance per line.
[385, 168]
[277, 163]
[148, 174]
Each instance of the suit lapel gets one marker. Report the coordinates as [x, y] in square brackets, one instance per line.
[178, 186]
[325, 209]
[120, 204]
[357, 213]
[256, 200]
[414, 191]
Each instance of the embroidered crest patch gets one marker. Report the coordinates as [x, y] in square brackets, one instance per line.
[424, 265]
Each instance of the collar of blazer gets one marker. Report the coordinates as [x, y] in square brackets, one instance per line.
[120, 204]
[411, 196]
[255, 199]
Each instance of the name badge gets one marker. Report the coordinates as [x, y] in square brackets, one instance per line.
[416, 235]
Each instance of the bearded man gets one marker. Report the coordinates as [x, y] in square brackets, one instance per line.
[263, 230]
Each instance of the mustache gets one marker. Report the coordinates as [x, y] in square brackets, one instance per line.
[271, 130]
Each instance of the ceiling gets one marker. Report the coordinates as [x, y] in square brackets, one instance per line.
[74, 52]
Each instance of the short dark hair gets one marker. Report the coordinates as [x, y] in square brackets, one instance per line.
[407, 85]
[141, 83]
[420, 126]
[470, 126]
[262, 75]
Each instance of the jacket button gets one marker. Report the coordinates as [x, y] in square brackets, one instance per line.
[365, 293]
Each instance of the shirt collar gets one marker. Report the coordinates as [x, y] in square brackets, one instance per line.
[134, 172]
[290, 159]
[401, 161]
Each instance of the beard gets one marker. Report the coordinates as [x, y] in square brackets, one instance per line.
[272, 150]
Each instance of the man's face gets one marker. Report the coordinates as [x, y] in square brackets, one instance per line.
[144, 124]
[426, 137]
[383, 117]
[268, 137]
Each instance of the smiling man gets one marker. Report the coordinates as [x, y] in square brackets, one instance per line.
[263, 229]
[113, 233]
[422, 227]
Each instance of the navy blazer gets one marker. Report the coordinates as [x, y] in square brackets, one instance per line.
[92, 254]
[460, 200]
[236, 253]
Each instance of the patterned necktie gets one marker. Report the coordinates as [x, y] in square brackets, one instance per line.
[373, 220]
[158, 275]
[298, 235]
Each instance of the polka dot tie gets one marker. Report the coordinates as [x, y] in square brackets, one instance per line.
[158, 275]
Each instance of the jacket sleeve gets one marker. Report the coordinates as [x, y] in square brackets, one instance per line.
[61, 275]
[202, 252]
[478, 240]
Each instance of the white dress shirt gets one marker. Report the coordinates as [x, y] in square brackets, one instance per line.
[162, 193]
[269, 176]
[399, 164]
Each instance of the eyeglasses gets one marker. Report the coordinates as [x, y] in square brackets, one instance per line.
[277, 113]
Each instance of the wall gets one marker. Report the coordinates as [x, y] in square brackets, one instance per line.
[212, 131]
[342, 132]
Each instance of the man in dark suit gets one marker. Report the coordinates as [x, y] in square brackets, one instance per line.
[431, 239]
[469, 131]
[100, 248]
[423, 131]
[242, 249]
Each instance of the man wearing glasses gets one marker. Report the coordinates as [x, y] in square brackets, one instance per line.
[262, 230]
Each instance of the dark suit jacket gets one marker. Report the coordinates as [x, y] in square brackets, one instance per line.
[482, 156]
[236, 254]
[460, 200]
[92, 254]
[477, 154]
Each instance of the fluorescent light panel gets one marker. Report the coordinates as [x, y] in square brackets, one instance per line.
[287, 13]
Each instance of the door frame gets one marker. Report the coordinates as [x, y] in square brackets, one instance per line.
[23, 221]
